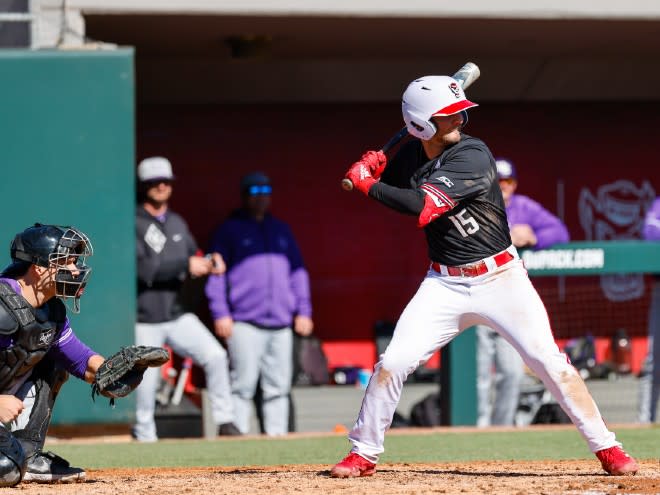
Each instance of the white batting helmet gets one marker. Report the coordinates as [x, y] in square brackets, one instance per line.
[431, 96]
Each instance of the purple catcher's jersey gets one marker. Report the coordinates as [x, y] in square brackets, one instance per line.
[463, 180]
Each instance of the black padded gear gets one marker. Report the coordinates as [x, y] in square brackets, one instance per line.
[33, 332]
[12, 459]
[48, 381]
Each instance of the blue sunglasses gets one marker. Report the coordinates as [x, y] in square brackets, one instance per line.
[254, 190]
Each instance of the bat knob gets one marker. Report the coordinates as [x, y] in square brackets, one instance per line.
[347, 185]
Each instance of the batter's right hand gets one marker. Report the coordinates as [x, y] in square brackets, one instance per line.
[10, 408]
[360, 175]
[223, 327]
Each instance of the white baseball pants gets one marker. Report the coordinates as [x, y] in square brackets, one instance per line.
[504, 300]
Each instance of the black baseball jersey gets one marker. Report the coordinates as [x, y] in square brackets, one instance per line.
[455, 195]
[163, 249]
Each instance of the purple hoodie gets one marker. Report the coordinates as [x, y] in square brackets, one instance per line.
[547, 227]
[67, 351]
[651, 231]
[266, 282]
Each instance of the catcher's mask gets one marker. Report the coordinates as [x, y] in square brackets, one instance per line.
[62, 248]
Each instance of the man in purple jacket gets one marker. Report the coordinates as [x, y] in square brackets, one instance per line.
[531, 226]
[649, 382]
[38, 348]
[255, 304]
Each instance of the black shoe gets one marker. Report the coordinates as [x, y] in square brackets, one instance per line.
[228, 430]
[46, 467]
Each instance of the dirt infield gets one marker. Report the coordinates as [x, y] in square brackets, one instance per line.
[497, 478]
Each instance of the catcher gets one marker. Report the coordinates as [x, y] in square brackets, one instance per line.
[38, 350]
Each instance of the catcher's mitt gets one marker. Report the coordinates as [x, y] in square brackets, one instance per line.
[122, 372]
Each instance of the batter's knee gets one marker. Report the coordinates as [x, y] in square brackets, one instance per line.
[398, 365]
[12, 460]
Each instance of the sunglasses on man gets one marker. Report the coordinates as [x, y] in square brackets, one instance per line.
[257, 190]
[157, 182]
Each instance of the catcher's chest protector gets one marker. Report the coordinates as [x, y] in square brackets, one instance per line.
[32, 331]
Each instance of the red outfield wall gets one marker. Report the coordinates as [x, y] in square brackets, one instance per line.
[365, 261]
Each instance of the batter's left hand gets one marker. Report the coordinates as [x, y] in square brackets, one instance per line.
[303, 325]
[376, 161]
[360, 175]
[522, 235]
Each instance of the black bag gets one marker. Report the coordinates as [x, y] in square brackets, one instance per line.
[426, 412]
[310, 364]
[582, 352]
[550, 413]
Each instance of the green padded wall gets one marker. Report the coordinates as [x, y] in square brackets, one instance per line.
[67, 141]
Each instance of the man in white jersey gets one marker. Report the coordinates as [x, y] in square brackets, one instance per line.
[448, 181]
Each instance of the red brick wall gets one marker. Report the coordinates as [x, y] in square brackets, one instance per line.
[365, 261]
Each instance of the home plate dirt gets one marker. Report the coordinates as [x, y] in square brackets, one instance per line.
[493, 477]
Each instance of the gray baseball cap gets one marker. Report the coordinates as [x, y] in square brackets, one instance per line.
[154, 168]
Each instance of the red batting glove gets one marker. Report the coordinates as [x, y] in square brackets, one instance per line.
[376, 161]
[360, 175]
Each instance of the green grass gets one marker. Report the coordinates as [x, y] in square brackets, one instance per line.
[642, 443]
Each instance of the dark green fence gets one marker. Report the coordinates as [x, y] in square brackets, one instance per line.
[67, 141]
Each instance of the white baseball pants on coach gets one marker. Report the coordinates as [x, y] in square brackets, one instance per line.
[649, 382]
[493, 351]
[188, 337]
[505, 300]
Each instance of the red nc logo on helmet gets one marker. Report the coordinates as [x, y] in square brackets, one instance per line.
[453, 87]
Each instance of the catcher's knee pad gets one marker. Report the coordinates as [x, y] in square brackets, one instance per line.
[12, 459]
[48, 381]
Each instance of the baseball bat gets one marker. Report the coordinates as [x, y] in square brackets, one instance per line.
[181, 382]
[465, 76]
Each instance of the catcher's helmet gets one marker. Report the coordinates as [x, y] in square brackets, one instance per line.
[58, 246]
[431, 96]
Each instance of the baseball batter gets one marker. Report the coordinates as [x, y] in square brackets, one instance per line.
[448, 181]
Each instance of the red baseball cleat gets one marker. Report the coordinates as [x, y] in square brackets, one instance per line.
[353, 466]
[615, 461]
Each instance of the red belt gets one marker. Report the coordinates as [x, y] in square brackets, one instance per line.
[474, 269]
